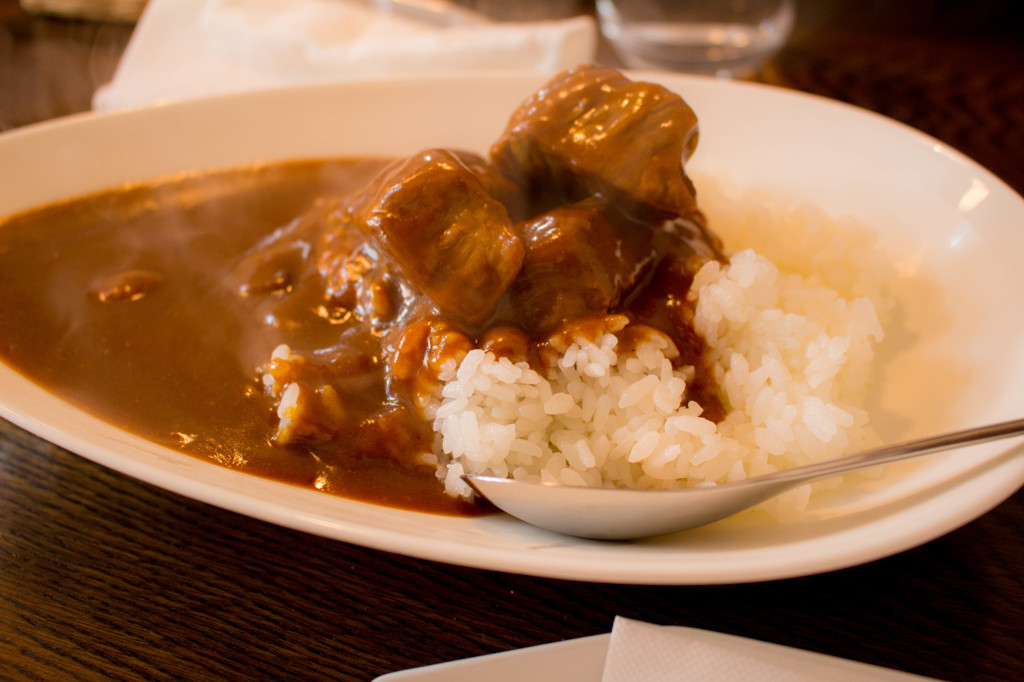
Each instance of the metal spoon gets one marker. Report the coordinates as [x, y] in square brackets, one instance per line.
[626, 514]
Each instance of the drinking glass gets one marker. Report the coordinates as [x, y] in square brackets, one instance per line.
[728, 38]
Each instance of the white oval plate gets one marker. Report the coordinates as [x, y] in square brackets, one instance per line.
[953, 361]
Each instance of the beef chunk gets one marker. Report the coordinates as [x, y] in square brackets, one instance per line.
[497, 185]
[581, 260]
[432, 218]
[593, 131]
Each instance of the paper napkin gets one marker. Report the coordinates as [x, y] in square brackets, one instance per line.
[190, 48]
[642, 652]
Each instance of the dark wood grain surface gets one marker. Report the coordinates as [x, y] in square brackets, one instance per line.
[106, 578]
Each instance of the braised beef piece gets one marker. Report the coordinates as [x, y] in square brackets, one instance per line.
[580, 260]
[593, 131]
[499, 186]
[436, 224]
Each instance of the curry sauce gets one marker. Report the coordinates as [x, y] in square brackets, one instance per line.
[173, 358]
[290, 320]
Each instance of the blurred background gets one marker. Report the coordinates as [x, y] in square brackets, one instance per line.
[960, 59]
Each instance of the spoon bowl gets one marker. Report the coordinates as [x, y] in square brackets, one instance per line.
[629, 514]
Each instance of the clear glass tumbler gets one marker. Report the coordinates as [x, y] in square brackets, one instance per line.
[727, 38]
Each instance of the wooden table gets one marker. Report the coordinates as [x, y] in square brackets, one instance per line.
[106, 578]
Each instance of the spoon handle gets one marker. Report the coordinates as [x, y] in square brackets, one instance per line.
[897, 452]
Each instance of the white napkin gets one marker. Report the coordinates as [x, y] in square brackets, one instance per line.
[190, 48]
[641, 652]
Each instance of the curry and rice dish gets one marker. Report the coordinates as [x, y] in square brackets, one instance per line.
[558, 310]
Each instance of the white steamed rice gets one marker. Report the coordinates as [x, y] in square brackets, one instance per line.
[791, 343]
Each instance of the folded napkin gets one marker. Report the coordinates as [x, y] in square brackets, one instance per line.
[190, 48]
[641, 652]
